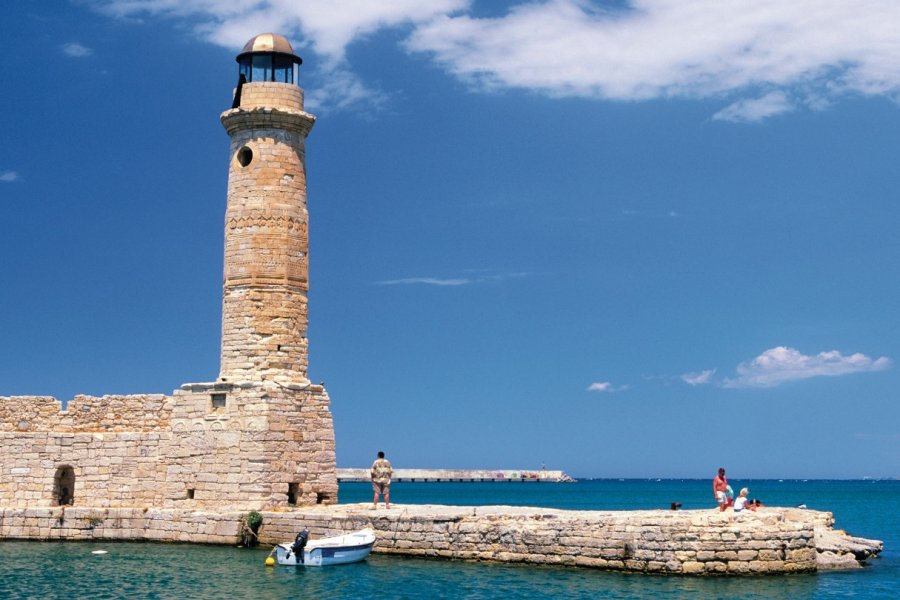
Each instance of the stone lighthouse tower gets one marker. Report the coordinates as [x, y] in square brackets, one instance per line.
[276, 444]
[264, 311]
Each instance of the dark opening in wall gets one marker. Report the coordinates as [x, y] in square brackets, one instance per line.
[292, 493]
[218, 400]
[190, 493]
[244, 156]
[321, 497]
[64, 486]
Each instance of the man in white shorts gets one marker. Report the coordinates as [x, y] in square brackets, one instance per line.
[720, 486]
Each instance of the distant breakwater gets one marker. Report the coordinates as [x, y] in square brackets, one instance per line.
[468, 475]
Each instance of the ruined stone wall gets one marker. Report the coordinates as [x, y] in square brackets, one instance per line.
[113, 446]
[139, 412]
[109, 469]
[185, 450]
[29, 413]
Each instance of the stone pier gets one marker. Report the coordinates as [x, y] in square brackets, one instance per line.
[693, 542]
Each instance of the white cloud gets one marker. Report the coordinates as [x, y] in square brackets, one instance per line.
[342, 89]
[77, 50]
[781, 364]
[327, 27]
[763, 57]
[605, 387]
[9, 176]
[699, 378]
[484, 277]
[669, 214]
[676, 48]
[755, 109]
[426, 281]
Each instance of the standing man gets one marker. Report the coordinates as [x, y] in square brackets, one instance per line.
[720, 485]
[381, 480]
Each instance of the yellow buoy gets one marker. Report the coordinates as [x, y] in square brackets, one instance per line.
[270, 561]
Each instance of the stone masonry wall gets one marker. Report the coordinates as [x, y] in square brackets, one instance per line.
[110, 469]
[112, 444]
[688, 542]
[300, 438]
[266, 438]
[268, 94]
[139, 412]
[266, 280]
[264, 443]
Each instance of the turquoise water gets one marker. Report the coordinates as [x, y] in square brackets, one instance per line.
[137, 570]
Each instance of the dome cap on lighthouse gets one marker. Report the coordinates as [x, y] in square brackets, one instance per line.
[269, 43]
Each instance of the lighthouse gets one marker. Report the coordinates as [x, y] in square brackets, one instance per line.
[266, 279]
[261, 435]
[278, 424]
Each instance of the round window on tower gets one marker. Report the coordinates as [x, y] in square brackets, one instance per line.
[245, 156]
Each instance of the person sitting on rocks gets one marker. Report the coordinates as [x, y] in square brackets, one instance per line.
[742, 502]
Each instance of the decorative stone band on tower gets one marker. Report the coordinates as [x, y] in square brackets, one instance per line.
[264, 309]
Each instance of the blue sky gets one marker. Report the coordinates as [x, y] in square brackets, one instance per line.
[623, 239]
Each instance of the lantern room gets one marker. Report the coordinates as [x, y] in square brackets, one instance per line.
[268, 57]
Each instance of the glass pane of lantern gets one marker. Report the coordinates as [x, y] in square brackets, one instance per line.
[262, 67]
[245, 69]
[284, 69]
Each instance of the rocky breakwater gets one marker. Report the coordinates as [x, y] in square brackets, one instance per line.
[836, 549]
[698, 542]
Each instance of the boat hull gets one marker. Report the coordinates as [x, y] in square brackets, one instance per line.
[338, 550]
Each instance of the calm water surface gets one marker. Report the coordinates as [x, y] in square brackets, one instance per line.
[137, 570]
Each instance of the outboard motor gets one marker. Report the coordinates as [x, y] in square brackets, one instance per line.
[299, 544]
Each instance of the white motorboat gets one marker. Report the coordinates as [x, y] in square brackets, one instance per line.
[336, 550]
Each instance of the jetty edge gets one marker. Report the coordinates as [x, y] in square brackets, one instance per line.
[690, 542]
[467, 475]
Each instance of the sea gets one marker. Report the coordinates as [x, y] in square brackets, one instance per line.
[70, 570]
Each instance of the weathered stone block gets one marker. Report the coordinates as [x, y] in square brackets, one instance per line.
[693, 568]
